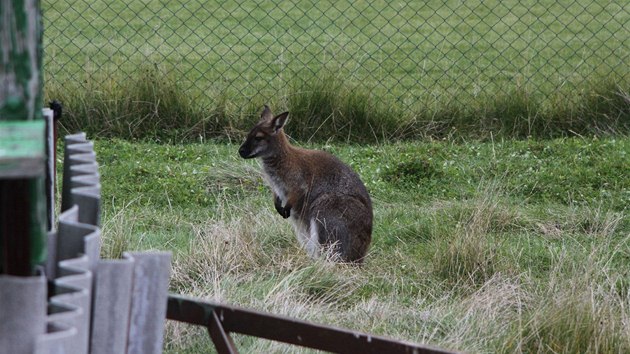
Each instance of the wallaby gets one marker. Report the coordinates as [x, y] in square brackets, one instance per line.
[325, 199]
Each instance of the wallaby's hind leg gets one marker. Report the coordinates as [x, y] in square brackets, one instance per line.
[344, 233]
[326, 230]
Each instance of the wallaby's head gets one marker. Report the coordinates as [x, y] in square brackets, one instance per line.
[265, 138]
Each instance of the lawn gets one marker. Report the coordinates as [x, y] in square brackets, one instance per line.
[497, 246]
[411, 54]
[350, 71]
[492, 137]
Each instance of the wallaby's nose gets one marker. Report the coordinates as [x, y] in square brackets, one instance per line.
[243, 152]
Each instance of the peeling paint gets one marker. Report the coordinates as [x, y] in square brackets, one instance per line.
[21, 59]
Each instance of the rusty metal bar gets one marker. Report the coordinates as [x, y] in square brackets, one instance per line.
[287, 330]
[221, 339]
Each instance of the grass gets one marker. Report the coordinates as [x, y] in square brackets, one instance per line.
[499, 246]
[249, 47]
[497, 161]
[369, 71]
[152, 105]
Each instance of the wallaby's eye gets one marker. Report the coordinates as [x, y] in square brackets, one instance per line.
[259, 137]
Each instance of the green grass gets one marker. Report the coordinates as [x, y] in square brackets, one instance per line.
[369, 70]
[498, 246]
[153, 105]
[249, 47]
[497, 161]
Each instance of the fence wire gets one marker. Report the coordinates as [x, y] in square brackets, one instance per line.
[403, 52]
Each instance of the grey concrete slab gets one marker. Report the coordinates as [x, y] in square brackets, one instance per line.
[148, 302]
[22, 313]
[56, 340]
[74, 238]
[75, 138]
[112, 303]
[72, 296]
[89, 200]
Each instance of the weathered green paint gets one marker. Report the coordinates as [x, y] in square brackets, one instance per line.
[20, 60]
[22, 137]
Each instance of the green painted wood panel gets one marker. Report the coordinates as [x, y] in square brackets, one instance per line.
[20, 60]
[22, 138]
[22, 151]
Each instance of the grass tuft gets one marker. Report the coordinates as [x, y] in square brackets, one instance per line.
[152, 105]
[414, 171]
[468, 256]
[578, 310]
[601, 107]
[328, 109]
[148, 105]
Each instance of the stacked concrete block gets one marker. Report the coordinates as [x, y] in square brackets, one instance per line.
[80, 303]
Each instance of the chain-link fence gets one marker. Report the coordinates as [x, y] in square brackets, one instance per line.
[404, 52]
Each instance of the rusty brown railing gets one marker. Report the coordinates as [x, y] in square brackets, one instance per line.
[221, 320]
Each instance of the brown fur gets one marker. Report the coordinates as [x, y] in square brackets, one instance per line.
[328, 204]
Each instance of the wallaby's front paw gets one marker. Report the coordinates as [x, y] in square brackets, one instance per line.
[285, 212]
[277, 203]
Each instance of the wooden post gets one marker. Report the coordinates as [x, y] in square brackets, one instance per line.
[22, 199]
[21, 59]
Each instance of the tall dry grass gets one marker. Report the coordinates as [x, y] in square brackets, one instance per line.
[152, 105]
[471, 294]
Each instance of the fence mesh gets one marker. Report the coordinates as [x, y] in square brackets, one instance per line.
[403, 52]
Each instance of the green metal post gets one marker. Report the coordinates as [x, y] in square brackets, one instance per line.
[22, 151]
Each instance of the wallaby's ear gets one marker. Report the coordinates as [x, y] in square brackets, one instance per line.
[266, 114]
[278, 121]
